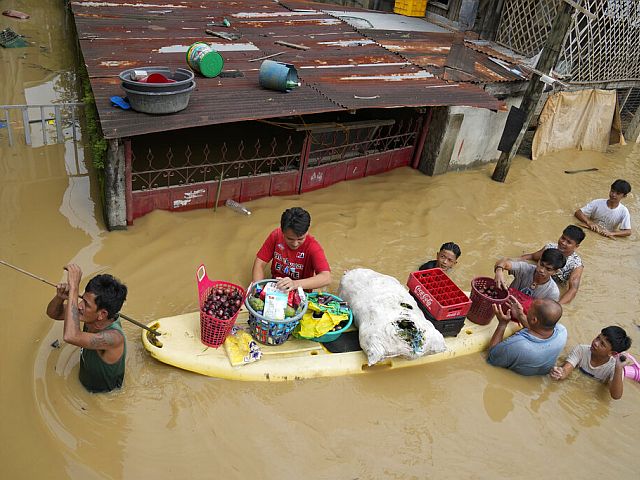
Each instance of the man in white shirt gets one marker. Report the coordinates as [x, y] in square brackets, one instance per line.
[608, 217]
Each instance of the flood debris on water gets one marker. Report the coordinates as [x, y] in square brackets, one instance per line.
[16, 14]
[11, 39]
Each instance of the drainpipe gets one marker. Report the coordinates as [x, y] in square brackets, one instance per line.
[423, 136]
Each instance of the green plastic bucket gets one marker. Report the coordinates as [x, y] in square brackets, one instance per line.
[202, 58]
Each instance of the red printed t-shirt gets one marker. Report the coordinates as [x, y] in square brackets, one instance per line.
[304, 262]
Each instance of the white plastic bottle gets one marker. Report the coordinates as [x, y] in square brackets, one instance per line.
[238, 207]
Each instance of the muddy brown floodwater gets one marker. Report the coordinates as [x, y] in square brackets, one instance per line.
[455, 419]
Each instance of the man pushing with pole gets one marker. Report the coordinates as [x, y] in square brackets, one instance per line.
[102, 340]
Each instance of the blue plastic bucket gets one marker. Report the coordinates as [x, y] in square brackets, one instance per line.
[278, 76]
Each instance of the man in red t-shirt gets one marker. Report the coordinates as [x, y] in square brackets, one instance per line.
[297, 259]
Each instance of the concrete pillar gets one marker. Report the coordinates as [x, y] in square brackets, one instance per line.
[114, 186]
[442, 136]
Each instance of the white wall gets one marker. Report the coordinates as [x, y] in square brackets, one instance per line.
[479, 134]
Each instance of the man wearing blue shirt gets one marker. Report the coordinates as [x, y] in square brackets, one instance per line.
[534, 349]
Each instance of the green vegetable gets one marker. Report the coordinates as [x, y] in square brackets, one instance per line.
[289, 312]
[256, 304]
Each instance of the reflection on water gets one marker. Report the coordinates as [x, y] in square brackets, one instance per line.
[454, 419]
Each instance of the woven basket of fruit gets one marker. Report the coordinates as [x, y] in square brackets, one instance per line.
[484, 295]
[220, 303]
[268, 324]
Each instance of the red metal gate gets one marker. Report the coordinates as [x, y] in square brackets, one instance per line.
[203, 174]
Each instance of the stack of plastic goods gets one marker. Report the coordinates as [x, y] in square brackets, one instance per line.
[440, 300]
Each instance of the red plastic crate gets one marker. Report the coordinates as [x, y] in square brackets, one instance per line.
[435, 290]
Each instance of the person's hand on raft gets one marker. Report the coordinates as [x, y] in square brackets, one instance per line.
[286, 284]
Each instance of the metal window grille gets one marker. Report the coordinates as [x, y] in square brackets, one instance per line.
[155, 167]
[603, 49]
[344, 144]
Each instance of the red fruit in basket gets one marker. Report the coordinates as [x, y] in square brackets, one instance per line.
[223, 298]
[225, 291]
[238, 302]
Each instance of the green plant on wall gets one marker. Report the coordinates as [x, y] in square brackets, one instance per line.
[97, 143]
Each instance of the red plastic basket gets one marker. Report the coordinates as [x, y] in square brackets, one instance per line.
[435, 290]
[214, 330]
[481, 311]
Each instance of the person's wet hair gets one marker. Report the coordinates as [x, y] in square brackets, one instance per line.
[553, 257]
[548, 312]
[110, 293]
[621, 186]
[296, 219]
[575, 233]
[617, 337]
[452, 247]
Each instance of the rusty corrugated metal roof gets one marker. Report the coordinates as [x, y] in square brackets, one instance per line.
[437, 53]
[341, 70]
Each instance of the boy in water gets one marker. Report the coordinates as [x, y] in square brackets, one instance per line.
[604, 216]
[571, 273]
[446, 258]
[601, 360]
[297, 259]
[532, 280]
[103, 352]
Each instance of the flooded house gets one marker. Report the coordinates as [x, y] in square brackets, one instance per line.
[377, 91]
[371, 84]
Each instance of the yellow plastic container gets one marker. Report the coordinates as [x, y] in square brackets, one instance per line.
[410, 8]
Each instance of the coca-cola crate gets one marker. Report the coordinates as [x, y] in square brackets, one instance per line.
[448, 328]
[435, 290]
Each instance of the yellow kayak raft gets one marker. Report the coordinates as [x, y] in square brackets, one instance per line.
[295, 359]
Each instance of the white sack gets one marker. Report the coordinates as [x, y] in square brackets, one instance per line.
[389, 321]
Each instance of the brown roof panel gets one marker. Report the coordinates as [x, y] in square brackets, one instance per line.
[433, 51]
[342, 69]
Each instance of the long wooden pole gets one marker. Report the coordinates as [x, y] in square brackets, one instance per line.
[546, 62]
[135, 322]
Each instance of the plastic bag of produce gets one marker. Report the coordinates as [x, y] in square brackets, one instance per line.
[241, 348]
[389, 321]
